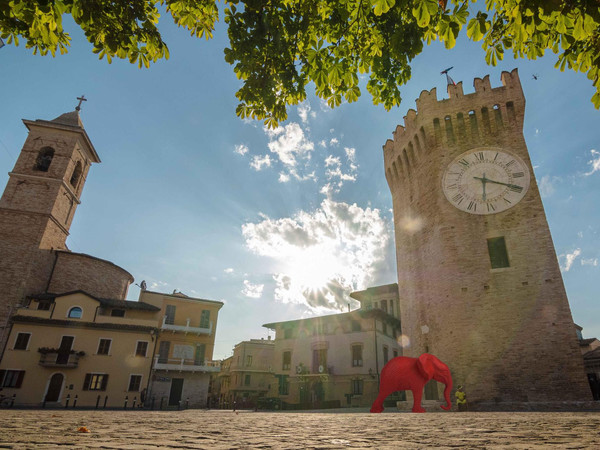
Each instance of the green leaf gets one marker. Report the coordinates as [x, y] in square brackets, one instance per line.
[382, 6]
[423, 11]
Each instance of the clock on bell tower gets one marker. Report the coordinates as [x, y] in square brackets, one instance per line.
[479, 281]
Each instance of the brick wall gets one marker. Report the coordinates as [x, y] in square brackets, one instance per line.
[95, 276]
[507, 334]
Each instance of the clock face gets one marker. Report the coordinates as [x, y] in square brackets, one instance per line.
[486, 181]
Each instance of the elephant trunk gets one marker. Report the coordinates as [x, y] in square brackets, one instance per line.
[447, 396]
[444, 377]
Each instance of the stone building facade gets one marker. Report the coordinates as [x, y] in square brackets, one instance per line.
[480, 281]
[249, 373]
[336, 360]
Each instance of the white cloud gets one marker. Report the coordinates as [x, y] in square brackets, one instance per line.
[284, 177]
[241, 149]
[157, 285]
[570, 259]
[350, 153]
[334, 173]
[334, 141]
[594, 162]
[258, 162]
[252, 290]
[290, 144]
[589, 262]
[546, 186]
[304, 111]
[323, 143]
[228, 270]
[332, 161]
[324, 254]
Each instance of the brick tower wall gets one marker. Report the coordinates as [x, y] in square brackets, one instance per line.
[98, 277]
[507, 334]
[36, 210]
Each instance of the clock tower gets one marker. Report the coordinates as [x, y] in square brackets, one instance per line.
[479, 281]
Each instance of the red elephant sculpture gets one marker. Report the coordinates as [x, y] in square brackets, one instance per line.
[403, 373]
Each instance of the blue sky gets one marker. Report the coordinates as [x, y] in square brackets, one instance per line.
[190, 197]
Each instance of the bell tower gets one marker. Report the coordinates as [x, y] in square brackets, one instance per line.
[480, 285]
[38, 204]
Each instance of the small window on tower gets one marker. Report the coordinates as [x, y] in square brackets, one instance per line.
[44, 159]
[498, 253]
[76, 175]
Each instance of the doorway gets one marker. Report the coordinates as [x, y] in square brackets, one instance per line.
[176, 390]
[431, 390]
[54, 388]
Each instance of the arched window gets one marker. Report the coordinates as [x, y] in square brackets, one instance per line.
[76, 174]
[510, 107]
[75, 313]
[461, 125]
[474, 127]
[437, 130]
[449, 130]
[498, 117]
[485, 118]
[44, 159]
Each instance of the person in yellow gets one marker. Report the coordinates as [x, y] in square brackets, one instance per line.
[461, 399]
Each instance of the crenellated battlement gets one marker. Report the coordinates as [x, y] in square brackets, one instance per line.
[460, 120]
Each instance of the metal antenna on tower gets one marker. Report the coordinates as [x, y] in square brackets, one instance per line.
[449, 80]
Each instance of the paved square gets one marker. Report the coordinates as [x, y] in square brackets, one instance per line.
[219, 429]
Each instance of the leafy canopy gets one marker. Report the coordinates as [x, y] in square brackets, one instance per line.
[278, 46]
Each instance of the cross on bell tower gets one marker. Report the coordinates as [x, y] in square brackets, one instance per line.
[81, 99]
[38, 204]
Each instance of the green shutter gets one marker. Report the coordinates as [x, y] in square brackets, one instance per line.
[86, 381]
[20, 378]
[104, 382]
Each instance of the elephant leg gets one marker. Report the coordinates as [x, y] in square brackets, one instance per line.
[377, 406]
[417, 396]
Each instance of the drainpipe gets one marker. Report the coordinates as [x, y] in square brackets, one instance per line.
[376, 353]
[155, 332]
[7, 326]
[52, 271]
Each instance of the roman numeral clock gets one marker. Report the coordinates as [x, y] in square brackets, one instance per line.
[485, 181]
[480, 285]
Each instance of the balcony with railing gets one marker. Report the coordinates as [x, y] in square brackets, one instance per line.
[186, 365]
[169, 325]
[55, 358]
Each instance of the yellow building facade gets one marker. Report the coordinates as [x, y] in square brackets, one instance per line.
[78, 349]
[182, 361]
[335, 360]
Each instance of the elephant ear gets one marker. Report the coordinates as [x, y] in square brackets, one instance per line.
[425, 366]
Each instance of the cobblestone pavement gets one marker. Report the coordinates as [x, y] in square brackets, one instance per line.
[220, 429]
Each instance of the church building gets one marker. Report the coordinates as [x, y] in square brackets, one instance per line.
[67, 332]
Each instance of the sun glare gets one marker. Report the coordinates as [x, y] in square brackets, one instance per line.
[313, 270]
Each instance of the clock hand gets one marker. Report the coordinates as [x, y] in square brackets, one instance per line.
[503, 184]
[483, 181]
